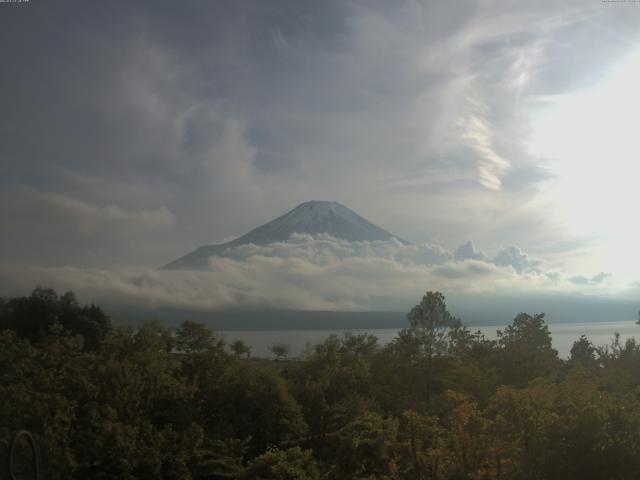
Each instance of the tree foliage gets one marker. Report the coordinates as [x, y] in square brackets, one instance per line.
[114, 402]
[432, 330]
[239, 348]
[34, 316]
[280, 350]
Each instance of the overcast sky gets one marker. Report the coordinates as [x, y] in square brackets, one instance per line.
[133, 131]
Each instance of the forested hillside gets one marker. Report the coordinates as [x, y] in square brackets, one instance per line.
[439, 402]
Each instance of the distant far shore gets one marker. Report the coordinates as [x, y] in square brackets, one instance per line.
[482, 313]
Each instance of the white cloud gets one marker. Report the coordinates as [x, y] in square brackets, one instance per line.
[324, 249]
[514, 257]
[467, 251]
[492, 167]
[600, 278]
[316, 273]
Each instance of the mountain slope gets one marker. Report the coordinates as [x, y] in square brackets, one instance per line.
[312, 217]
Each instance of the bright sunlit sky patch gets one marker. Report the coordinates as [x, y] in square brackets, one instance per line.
[133, 132]
[591, 139]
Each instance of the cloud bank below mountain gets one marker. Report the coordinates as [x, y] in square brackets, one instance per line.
[315, 273]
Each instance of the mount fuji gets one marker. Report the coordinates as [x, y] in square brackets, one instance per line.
[313, 217]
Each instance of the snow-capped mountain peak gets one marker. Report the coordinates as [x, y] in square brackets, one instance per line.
[312, 217]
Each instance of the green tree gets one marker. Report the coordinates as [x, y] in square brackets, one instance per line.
[467, 443]
[583, 351]
[138, 422]
[239, 348]
[525, 351]
[291, 464]
[195, 337]
[362, 345]
[32, 317]
[280, 350]
[334, 382]
[431, 324]
[364, 448]
[421, 446]
[243, 399]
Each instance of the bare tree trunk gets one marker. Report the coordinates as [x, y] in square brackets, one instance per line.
[429, 370]
[414, 454]
[435, 469]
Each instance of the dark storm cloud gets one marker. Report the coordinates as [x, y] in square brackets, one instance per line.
[213, 117]
[143, 105]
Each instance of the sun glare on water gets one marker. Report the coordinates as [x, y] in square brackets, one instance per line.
[592, 140]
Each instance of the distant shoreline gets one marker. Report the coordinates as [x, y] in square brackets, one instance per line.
[268, 320]
[563, 335]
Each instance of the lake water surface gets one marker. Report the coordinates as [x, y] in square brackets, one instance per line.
[562, 334]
